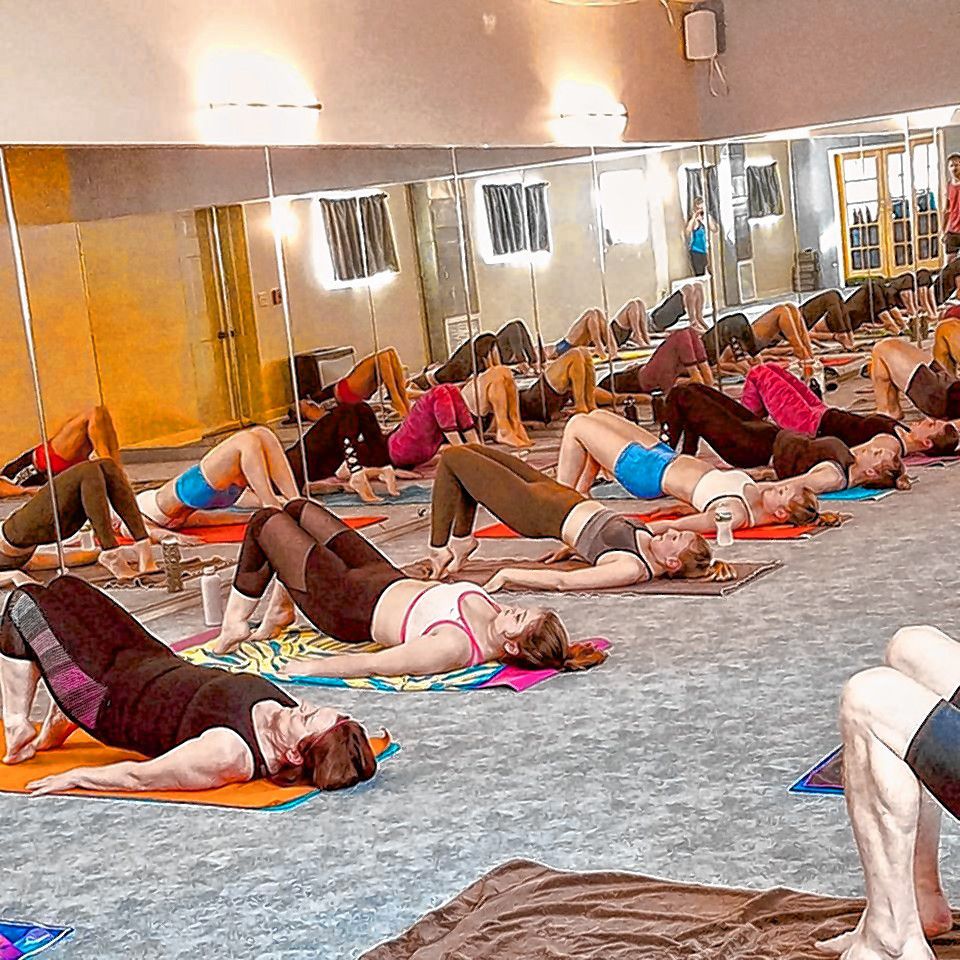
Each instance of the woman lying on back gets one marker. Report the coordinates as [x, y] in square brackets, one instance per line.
[621, 551]
[200, 727]
[347, 589]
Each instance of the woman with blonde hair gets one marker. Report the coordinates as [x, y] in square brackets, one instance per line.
[649, 469]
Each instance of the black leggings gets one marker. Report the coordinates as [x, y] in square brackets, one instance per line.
[693, 411]
[932, 754]
[334, 575]
[84, 492]
[523, 498]
[460, 367]
[829, 307]
[353, 424]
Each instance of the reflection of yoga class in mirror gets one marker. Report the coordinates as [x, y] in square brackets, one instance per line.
[658, 437]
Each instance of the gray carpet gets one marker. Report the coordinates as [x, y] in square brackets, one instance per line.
[630, 766]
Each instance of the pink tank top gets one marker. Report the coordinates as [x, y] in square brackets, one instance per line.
[443, 604]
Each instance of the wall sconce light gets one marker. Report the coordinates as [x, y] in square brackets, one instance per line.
[270, 106]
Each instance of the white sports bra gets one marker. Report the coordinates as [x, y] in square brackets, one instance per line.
[442, 604]
[720, 484]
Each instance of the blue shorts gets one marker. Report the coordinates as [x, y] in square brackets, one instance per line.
[193, 491]
[640, 470]
[561, 347]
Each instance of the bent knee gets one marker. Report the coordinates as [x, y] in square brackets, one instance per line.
[868, 692]
[904, 644]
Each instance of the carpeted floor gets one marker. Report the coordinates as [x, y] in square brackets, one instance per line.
[672, 759]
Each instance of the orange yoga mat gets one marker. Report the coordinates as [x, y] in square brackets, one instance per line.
[771, 531]
[81, 750]
[233, 532]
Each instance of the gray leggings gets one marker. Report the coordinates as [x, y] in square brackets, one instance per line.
[84, 492]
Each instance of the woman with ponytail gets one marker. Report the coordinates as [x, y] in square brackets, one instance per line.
[347, 589]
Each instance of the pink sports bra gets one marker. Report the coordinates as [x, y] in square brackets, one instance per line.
[443, 604]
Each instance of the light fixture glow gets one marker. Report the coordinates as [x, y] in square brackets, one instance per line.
[248, 96]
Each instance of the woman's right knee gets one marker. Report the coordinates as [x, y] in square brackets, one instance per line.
[866, 694]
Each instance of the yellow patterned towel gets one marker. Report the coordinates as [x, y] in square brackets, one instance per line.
[268, 657]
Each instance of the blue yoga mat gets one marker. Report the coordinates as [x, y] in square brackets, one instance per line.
[856, 493]
[614, 491]
[414, 493]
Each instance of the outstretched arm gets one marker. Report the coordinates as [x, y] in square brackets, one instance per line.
[616, 572]
[436, 652]
[213, 759]
[8, 489]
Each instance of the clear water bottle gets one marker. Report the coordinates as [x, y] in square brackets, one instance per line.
[724, 522]
[172, 565]
[211, 597]
[87, 540]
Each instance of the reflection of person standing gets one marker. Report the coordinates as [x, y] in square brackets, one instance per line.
[951, 218]
[696, 233]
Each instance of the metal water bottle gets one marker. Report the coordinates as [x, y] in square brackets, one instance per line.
[724, 522]
[211, 597]
[87, 541]
[170, 555]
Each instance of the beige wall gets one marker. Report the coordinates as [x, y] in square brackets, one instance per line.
[774, 243]
[323, 317]
[792, 64]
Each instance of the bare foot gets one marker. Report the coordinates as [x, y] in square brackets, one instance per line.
[462, 549]
[230, 637]
[582, 408]
[21, 741]
[935, 913]
[439, 560]
[360, 485]
[116, 563]
[389, 477]
[278, 617]
[55, 730]
[836, 945]
[146, 563]
[865, 948]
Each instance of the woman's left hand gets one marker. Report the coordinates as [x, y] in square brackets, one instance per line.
[56, 783]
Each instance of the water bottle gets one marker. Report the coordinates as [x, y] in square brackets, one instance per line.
[87, 541]
[170, 557]
[819, 376]
[630, 410]
[724, 522]
[211, 597]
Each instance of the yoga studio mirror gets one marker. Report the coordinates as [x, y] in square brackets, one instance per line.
[373, 264]
[20, 433]
[143, 287]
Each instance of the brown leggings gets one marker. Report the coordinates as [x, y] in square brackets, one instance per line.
[84, 492]
[523, 498]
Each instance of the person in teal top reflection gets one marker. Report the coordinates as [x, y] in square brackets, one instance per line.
[696, 233]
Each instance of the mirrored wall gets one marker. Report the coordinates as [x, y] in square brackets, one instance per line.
[177, 296]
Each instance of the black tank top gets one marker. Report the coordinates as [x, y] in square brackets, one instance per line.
[155, 705]
[794, 454]
[608, 530]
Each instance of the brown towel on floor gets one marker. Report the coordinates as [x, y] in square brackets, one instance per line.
[526, 911]
[480, 571]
